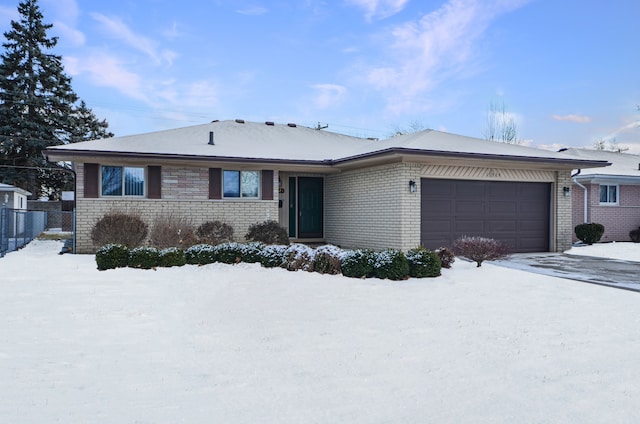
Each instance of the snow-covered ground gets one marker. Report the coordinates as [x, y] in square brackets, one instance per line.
[626, 251]
[242, 344]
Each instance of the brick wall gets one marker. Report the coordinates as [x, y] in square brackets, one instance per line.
[563, 217]
[373, 208]
[185, 192]
[618, 220]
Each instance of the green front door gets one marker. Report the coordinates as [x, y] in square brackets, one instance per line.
[310, 207]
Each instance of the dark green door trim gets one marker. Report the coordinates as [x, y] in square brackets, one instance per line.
[292, 207]
[310, 207]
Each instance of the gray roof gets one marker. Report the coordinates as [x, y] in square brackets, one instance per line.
[241, 140]
[624, 166]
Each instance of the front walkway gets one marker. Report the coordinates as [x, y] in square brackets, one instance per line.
[608, 272]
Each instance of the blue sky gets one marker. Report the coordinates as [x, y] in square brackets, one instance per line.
[568, 71]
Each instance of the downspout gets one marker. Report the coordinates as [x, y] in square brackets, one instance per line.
[586, 195]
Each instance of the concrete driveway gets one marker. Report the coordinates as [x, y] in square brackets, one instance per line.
[608, 272]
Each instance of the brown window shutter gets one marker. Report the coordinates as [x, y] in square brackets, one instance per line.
[155, 182]
[215, 183]
[267, 184]
[91, 180]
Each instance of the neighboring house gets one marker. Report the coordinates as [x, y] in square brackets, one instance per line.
[13, 197]
[424, 188]
[609, 195]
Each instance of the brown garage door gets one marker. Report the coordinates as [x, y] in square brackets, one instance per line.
[514, 212]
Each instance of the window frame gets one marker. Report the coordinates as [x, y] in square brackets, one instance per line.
[123, 178]
[240, 191]
[608, 188]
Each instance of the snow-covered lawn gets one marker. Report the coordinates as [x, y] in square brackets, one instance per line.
[626, 251]
[242, 344]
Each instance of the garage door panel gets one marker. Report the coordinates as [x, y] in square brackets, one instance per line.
[507, 207]
[516, 213]
[501, 226]
[468, 208]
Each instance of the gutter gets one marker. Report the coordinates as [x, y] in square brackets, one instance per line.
[586, 195]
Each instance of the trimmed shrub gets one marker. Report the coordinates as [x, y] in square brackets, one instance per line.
[214, 232]
[172, 231]
[447, 258]
[111, 256]
[480, 249]
[423, 263]
[117, 227]
[252, 252]
[172, 256]
[299, 257]
[268, 232]
[634, 235]
[200, 254]
[228, 253]
[589, 233]
[328, 260]
[358, 263]
[144, 257]
[273, 256]
[391, 264]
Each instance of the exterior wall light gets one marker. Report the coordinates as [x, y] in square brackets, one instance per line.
[412, 186]
[566, 190]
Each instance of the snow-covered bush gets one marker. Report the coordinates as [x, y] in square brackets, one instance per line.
[328, 260]
[273, 256]
[112, 256]
[172, 256]
[268, 232]
[214, 232]
[423, 263]
[480, 249]
[391, 264]
[447, 258]
[228, 253]
[144, 257]
[117, 227]
[358, 263]
[200, 254]
[299, 257]
[252, 252]
[589, 233]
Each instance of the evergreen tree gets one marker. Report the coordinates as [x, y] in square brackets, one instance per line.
[37, 105]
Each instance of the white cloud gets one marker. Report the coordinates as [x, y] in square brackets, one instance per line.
[580, 119]
[421, 54]
[253, 11]
[328, 95]
[119, 30]
[69, 34]
[379, 9]
[108, 71]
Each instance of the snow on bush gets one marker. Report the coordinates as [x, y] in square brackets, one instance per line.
[112, 256]
[200, 254]
[423, 263]
[299, 257]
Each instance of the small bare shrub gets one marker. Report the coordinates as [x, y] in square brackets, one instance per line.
[172, 231]
[447, 258]
[480, 249]
[214, 232]
[268, 232]
[118, 227]
[634, 235]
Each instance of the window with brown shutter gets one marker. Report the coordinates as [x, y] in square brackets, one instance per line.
[91, 177]
[215, 183]
[155, 182]
[267, 184]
